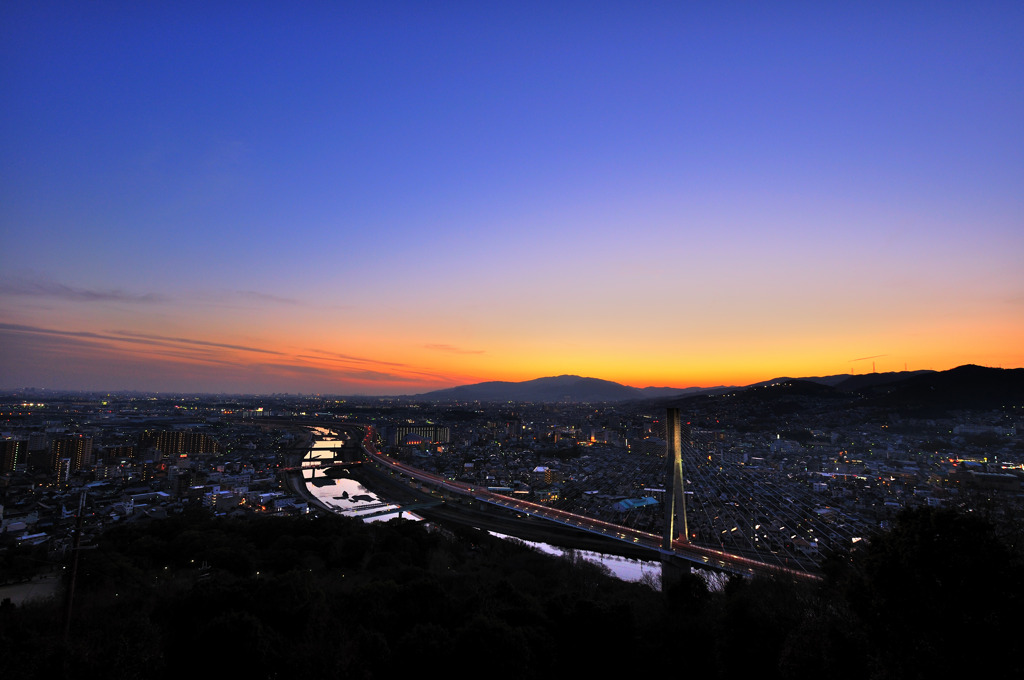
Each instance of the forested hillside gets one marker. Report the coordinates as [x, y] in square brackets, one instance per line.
[332, 597]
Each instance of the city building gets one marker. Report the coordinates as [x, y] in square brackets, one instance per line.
[13, 452]
[77, 449]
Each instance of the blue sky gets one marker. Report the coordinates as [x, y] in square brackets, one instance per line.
[524, 184]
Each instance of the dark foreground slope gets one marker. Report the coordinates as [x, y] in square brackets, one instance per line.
[331, 597]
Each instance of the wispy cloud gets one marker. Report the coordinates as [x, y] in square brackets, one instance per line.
[189, 341]
[452, 349]
[335, 356]
[73, 352]
[356, 368]
[52, 289]
[187, 347]
[36, 330]
[92, 341]
[267, 297]
[87, 347]
[357, 375]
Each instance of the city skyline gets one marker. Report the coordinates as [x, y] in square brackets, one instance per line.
[396, 199]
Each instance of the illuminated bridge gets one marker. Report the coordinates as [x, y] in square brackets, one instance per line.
[672, 544]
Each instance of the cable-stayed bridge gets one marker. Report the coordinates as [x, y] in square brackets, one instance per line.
[732, 519]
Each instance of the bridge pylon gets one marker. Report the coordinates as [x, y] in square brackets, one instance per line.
[675, 492]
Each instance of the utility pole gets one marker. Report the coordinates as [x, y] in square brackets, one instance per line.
[70, 594]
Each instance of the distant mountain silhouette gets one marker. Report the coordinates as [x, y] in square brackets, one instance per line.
[571, 388]
[830, 380]
[964, 387]
[918, 393]
[866, 381]
[777, 397]
[847, 382]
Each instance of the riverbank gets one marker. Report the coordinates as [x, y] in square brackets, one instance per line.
[292, 479]
[479, 516]
[500, 520]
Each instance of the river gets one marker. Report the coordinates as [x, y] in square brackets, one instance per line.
[351, 498]
[342, 495]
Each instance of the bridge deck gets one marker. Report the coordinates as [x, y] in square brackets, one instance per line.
[700, 555]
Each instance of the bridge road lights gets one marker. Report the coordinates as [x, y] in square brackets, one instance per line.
[675, 496]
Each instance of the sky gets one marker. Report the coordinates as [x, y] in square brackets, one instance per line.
[387, 198]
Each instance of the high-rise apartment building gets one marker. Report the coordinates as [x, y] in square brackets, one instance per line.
[77, 448]
[435, 434]
[180, 442]
[12, 452]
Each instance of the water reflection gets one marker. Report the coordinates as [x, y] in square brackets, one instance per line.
[623, 568]
[350, 498]
[343, 495]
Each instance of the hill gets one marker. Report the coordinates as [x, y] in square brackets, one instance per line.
[963, 387]
[913, 393]
[321, 597]
[959, 388]
[562, 388]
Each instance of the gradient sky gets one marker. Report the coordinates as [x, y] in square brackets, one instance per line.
[392, 197]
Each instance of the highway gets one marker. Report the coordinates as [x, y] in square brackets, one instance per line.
[716, 559]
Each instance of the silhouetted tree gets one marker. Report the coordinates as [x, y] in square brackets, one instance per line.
[933, 594]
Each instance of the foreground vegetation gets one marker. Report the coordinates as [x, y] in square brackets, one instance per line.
[332, 597]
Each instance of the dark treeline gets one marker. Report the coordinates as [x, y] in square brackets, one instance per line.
[332, 597]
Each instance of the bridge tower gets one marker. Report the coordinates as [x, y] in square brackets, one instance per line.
[675, 492]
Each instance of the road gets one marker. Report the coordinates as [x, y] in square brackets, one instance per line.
[697, 554]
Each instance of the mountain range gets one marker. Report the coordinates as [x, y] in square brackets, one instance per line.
[962, 387]
[562, 388]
